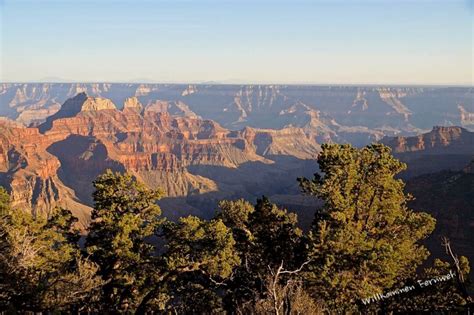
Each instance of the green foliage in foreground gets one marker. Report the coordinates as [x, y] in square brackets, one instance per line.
[124, 216]
[248, 259]
[41, 267]
[364, 239]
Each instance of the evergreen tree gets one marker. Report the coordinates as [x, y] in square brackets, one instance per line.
[276, 233]
[199, 257]
[364, 239]
[41, 270]
[140, 277]
[124, 218]
[266, 237]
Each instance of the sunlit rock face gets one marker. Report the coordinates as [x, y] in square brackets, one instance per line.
[132, 103]
[440, 139]
[442, 148]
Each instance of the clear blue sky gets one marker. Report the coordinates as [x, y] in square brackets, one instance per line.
[402, 41]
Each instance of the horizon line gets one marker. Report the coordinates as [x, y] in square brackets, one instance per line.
[242, 83]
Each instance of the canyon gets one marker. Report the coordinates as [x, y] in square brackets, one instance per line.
[448, 196]
[194, 161]
[201, 144]
[354, 114]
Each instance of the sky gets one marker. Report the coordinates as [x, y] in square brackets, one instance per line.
[295, 42]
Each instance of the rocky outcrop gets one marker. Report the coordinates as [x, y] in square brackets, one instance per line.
[97, 103]
[132, 103]
[288, 141]
[30, 173]
[69, 109]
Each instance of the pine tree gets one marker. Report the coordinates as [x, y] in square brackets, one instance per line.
[266, 237]
[124, 219]
[364, 239]
[200, 256]
[41, 269]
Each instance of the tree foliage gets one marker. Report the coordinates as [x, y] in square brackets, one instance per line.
[247, 259]
[364, 239]
[40, 264]
[200, 255]
[266, 237]
[125, 216]
[124, 240]
[442, 296]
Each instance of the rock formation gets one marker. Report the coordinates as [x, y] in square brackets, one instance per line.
[443, 148]
[358, 115]
[446, 140]
[132, 103]
[55, 164]
[201, 143]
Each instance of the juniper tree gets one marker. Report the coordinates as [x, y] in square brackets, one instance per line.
[145, 259]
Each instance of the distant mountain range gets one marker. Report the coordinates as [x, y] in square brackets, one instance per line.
[358, 115]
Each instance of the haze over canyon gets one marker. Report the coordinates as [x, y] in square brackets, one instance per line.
[204, 143]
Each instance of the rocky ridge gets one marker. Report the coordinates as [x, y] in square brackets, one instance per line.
[443, 148]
